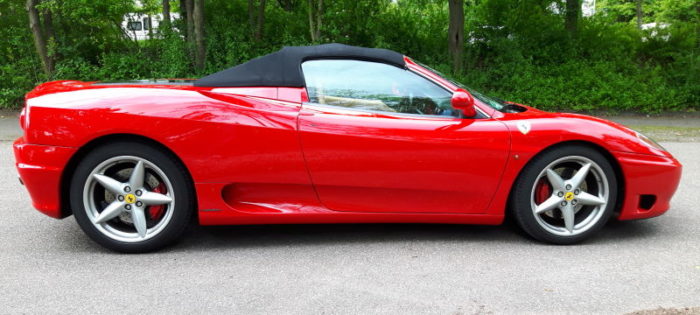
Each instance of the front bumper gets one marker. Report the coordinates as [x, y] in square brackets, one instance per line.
[40, 168]
[650, 182]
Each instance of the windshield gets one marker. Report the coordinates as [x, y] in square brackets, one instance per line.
[496, 103]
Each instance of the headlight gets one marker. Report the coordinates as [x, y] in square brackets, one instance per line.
[649, 142]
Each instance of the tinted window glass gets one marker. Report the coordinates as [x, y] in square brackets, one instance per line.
[374, 86]
[134, 26]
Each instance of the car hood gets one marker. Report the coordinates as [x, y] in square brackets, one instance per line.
[541, 126]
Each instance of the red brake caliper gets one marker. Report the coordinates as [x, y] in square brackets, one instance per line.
[157, 211]
[542, 191]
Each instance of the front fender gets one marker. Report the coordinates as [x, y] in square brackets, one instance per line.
[534, 131]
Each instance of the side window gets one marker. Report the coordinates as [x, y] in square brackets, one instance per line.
[134, 26]
[146, 23]
[374, 86]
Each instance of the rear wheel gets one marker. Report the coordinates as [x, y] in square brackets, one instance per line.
[565, 195]
[131, 197]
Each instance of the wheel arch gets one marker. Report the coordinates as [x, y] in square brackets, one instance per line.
[78, 156]
[600, 149]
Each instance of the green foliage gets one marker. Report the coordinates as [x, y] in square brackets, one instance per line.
[19, 66]
[584, 86]
[515, 50]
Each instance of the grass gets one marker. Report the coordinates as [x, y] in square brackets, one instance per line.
[669, 133]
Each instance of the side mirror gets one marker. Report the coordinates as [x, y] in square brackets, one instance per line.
[462, 100]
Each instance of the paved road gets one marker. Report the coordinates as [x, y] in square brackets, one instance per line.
[48, 265]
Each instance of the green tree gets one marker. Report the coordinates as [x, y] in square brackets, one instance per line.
[455, 34]
[40, 33]
[538, 52]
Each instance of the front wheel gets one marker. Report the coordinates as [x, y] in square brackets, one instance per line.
[565, 195]
[131, 197]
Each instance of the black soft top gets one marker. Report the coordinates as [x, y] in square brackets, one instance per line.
[283, 68]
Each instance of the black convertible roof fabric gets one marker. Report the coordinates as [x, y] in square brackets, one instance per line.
[283, 68]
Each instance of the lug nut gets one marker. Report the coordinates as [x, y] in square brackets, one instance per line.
[560, 194]
[577, 191]
[138, 193]
[573, 202]
[127, 207]
[563, 203]
[139, 203]
[127, 189]
[568, 187]
[120, 198]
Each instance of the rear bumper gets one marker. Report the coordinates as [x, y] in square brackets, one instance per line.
[40, 168]
[650, 182]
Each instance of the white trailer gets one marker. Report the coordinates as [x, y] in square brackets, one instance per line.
[140, 26]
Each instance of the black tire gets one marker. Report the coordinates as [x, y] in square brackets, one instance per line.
[521, 205]
[176, 173]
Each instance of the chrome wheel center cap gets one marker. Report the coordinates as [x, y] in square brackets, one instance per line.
[569, 196]
[130, 198]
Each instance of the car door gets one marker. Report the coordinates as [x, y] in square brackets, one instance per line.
[378, 138]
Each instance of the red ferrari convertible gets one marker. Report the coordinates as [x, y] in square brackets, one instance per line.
[326, 134]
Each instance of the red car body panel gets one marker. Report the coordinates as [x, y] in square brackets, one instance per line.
[353, 160]
[261, 155]
[638, 177]
[40, 168]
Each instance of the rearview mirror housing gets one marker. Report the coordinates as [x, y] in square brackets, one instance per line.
[462, 100]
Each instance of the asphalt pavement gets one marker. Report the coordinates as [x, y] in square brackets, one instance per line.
[50, 266]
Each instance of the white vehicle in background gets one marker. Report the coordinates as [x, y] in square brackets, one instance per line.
[141, 26]
[587, 7]
[655, 30]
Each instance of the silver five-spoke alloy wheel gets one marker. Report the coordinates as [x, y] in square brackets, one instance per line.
[128, 199]
[570, 196]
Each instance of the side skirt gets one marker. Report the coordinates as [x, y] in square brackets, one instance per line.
[244, 204]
